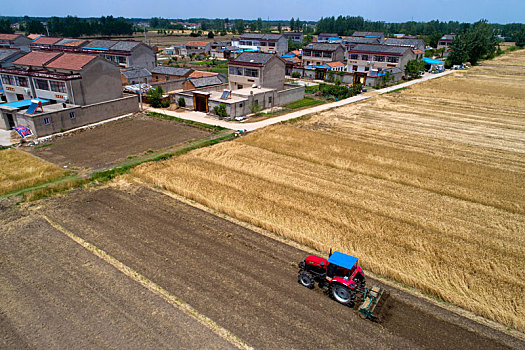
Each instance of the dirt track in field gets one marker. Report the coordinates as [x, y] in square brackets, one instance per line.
[246, 282]
[112, 142]
[54, 294]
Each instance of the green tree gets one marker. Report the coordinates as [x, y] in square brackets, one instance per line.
[292, 24]
[35, 27]
[259, 25]
[5, 27]
[220, 110]
[279, 28]
[155, 97]
[414, 68]
[211, 35]
[520, 38]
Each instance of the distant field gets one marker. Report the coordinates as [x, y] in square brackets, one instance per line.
[20, 170]
[426, 186]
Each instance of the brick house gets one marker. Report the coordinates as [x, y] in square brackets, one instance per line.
[164, 73]
[196, 47]
[14, 41]
[316, 54]
[269, 43]
[364, 57]
[257, 69]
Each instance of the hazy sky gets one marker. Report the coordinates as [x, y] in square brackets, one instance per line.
[501, 11]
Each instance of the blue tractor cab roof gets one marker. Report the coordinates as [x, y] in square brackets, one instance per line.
[343, 260]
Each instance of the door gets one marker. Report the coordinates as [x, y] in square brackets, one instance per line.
[10, 120]
[19, 97]
[360, 78]
[200, 103]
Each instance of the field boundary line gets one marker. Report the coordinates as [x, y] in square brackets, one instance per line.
[130, 179]
[153, 287]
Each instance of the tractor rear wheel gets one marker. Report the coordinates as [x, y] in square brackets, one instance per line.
[306, 279]
[342, 294]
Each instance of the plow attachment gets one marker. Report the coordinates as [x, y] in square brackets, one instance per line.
[373, 300]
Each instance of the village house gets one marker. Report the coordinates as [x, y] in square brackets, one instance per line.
[269, 43]
[203, 81]
[446, 41]
[71, 90]
[297, 37]
[257, 69]
[196, 48]
[14, 41]
[124, 53]
[363, 34]
[164, 73]
[135, 75]
[413, 43]
[7, 56]
[316, 54]
[326, 37]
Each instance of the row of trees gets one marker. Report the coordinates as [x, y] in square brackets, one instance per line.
[74, 26]
[474, 43]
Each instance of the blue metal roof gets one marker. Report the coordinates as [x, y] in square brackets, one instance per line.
[432, 61]
[22, 104]
[343, 260]
[95, 48]
[287, 56]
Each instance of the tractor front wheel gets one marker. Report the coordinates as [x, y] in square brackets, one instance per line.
[306, 279]
[342, 294]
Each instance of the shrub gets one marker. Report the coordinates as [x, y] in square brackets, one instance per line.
[220, 110]
[255, 108]
[182, 102]
[296, 75]
[165, 103]
[155, 97]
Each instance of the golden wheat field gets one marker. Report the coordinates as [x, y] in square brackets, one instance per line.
[426, 186]
[20, 170]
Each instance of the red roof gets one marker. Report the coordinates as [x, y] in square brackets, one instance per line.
[335, 64]
[296, 52]
[71, 61]
[417, 51]
[197, 43]
[34, 36]
[36, 58]
[200, 74]
[46, 40]
[9, 36]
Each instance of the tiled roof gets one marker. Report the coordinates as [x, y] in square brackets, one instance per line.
[133, 73]
[7, 53]
[296, 52]
[125, 45]
[9, 36]
[200, 74]
[365, 34]
[206, 81]
[329, 35]
[405, 42]
[101, 44]
[293, 60]
[322, 46]
[417, 51]
[171, 70]
[361, 40]
[197, 43]
[71, 42]
[36, 58]
[253, 58]
[71, 61]
[385, 49]
[34, 36]
[46, 40]
[335, 64]
[261, 36]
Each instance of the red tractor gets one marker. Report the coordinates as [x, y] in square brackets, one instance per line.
[342, 278]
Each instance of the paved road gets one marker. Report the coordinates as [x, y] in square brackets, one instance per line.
[204, 118]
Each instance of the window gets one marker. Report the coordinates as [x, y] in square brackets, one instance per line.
[354, 56]
[318, 54]
[270, 100]
[57, 86]
[367, 69]
[271, 44]
[327, 54]
[47, 120]
[21, 81]
[235, 70]
[251, 72]
[41, 84]
[364, 57]
[307, 53]
[72, 115]
[379, 58]
[392, 59]
[263, 43]
[121, 59]
[8, 79]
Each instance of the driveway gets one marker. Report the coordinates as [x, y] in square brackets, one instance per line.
[204, 118]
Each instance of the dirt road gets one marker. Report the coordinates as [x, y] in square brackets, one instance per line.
[54, 294]
[246, 282]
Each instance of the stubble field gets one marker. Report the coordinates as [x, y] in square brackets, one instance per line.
[426, 186]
